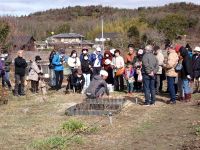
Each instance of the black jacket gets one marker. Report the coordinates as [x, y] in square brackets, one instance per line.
[78, 82]
[187, 63]
[20, 66]
[85, 66]
[196, 66]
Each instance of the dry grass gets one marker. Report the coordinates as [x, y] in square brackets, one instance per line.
[27, 119]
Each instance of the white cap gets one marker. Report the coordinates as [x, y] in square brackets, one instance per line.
[107, 61]
[98, 49]
[140, 51]
[112, 51]
[103, 73]
[197, 49]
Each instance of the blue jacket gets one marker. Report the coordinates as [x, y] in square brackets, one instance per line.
[93, 58]
[57, 62]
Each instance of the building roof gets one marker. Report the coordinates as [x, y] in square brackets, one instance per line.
[110, 35]
[22, 39]
[84, 42]
[68, 35]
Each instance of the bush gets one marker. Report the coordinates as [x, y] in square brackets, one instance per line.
[73, 126]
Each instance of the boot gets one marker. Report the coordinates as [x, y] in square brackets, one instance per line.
[181, 98]
[188, 97]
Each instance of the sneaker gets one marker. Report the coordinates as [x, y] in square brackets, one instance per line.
[152, 103]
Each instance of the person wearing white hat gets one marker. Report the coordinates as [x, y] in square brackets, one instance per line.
[98, 86]
[196, 69]
[96, 59]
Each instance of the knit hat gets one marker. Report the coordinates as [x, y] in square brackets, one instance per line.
[103, 73]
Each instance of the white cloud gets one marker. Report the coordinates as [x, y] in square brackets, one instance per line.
[22, 7]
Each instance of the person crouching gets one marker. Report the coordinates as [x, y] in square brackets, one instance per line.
[77, 81]
[98, 86]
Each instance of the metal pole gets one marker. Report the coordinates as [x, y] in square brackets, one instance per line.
[102, 36]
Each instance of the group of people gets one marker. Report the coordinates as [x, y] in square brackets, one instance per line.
[88, 67]
[91, 73]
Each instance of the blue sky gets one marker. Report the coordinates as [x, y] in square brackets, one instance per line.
[25, 7]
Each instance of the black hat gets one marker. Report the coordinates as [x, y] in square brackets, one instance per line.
[131, 45]
[38, 58]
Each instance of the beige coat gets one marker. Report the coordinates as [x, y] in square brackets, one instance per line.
[160, 58]
[34, 72]
[172, 61]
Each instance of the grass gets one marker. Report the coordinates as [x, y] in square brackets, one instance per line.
[55, 142]
[64, 141]
[145, 126]
[73, 125]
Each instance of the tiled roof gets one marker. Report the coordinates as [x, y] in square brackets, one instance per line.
[68, 35]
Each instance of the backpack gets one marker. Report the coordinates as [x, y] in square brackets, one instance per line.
[51, 66]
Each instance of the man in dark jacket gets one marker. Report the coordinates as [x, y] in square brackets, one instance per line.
[98, 86]
[196, 69]
[186, 72]
[149, 69]
[20, 70]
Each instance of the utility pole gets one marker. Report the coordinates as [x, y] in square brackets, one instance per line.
[102, 35]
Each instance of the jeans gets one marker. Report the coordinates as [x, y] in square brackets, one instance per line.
[180, 88]
[186, 86]
[19, 85]
[87, 80]
[6, 79]
[157, 83]
[59, 79]
[52, 78]
[149, 89]
[171, 87]
[119, 83]
[129, 87]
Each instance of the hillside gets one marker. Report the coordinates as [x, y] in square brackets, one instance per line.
[152, 23]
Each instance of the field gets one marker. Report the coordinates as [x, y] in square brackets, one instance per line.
[27, 120]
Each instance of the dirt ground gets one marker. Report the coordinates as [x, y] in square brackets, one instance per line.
[160, 127]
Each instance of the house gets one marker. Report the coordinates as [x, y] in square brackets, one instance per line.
[108, 36]
[24, 42]
[69, 40]
[40, 45]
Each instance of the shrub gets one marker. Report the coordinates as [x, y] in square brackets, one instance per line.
[73, 125]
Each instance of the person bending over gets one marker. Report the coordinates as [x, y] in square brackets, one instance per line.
[98, 86]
